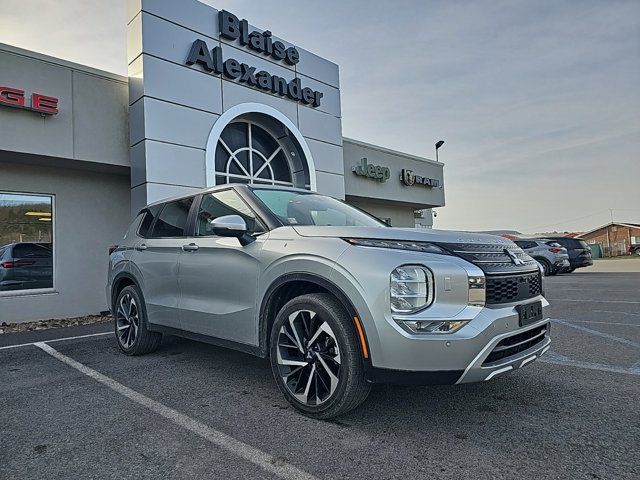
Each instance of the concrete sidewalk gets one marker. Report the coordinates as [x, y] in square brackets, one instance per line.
[612, 265]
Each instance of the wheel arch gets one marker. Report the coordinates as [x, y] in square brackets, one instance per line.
[121, 280]
[292, 285]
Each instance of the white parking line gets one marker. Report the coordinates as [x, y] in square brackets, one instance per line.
[607, 323]
[586, 300]
[608, 336]
[617, 313]
[262, 459]
[555, 359]
[57, 340]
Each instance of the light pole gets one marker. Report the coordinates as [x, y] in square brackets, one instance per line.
[439, 143]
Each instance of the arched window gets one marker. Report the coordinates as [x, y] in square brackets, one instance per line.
[250, 152]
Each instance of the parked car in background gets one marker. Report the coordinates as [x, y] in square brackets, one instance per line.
[579, 252]
[334, 297]
[26, 266]
[634, 249]
[550, 254]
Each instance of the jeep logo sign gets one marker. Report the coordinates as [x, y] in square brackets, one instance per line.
[376, 172]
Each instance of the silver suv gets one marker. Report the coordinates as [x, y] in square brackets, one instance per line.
[553, 257]
[335, 298]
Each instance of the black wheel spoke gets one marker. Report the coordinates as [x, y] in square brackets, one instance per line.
[308, 357]
[127, 321]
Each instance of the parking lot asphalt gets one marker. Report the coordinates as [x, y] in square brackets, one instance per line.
[192, 410]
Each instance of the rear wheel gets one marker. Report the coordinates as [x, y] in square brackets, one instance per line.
[315, 357]
[546, 266]
[132, 334]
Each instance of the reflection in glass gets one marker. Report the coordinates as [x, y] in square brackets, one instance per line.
[26, 242]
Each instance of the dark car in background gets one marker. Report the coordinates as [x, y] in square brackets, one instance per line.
[26, 266]
[579, 252]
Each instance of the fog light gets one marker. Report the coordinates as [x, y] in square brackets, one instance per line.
[434, 326]
[410, 289]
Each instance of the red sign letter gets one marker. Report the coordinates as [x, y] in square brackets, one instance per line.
[12, 96]
[44, 104]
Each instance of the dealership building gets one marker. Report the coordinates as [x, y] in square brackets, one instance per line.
[208, 100]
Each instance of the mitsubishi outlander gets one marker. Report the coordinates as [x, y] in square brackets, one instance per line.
[335, 298]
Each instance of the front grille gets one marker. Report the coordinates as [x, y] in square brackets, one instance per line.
[517, 343]
[493, 258]
[512, 288]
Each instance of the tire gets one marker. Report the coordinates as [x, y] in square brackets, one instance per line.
[317, 385]
[546, 266]
[130, 324]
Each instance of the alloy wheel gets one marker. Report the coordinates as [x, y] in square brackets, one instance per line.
[127, 320]
[308, 357]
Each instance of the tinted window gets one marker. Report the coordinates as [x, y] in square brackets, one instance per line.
[32, 250]
[571, 243]
[172, 220]
[149, 215]
[219, 204]
[524, 244]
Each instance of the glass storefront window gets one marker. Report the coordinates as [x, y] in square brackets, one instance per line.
[26, 242]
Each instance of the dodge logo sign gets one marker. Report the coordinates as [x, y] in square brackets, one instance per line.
[15, 97]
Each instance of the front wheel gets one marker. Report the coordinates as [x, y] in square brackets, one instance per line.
[315, 357]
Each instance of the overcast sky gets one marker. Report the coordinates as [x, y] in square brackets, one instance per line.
[538, 101]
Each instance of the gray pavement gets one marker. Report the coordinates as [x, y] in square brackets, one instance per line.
[573, 415]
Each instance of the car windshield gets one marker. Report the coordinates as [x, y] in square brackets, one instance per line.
[296, 208]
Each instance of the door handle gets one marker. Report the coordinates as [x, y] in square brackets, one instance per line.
[192, 247]
[141, 247]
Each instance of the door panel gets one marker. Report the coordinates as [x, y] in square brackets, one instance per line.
[218, 285]
[156, 259]
[157, 267]
[218, 276]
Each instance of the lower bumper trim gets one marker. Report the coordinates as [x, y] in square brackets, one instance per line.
[409, 377]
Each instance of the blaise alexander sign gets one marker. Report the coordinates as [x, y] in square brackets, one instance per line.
[234, 29]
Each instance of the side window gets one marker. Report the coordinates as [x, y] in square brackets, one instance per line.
[172, 220]
[149, 215]
[219, 204]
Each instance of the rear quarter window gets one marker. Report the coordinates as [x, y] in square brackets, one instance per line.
[147, 221]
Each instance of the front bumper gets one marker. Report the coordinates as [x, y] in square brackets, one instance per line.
[480, 370]
[463, 356]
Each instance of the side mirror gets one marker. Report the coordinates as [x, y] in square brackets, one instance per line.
[231, 226]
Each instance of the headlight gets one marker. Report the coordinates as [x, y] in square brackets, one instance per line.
[477, 290]
[410, 289]
[398, 245]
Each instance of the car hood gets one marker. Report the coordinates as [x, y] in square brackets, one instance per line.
[410, 234]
